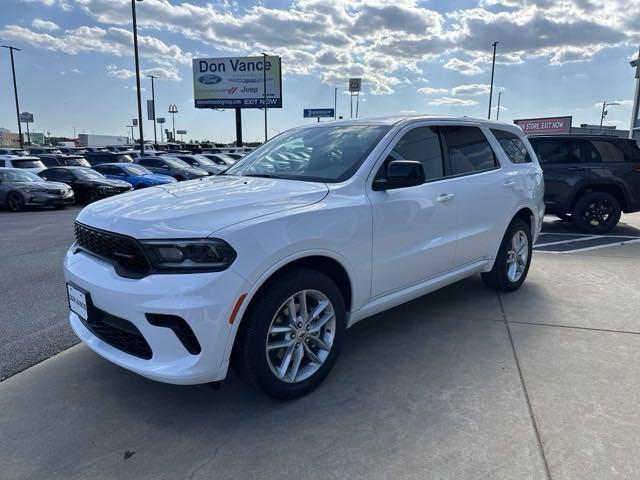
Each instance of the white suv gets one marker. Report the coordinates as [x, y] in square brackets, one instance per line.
[265, 266]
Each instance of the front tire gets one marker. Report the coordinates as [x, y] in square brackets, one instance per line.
[92, 196]
[597, 212]
[511, 266]
[15, 201]
[285, 354]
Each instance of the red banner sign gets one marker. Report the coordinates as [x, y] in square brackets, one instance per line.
[545, 125]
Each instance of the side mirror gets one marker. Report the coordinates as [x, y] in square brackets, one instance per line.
[401, 174]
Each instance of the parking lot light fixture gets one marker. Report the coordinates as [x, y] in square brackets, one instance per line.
[135, 48]
[605, 105]
[493, 68]
[15, 91]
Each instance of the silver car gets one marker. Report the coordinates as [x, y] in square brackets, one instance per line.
[20, 188]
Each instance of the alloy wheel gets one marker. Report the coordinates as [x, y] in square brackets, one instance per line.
[300, 336]
[517, 256]
[598, 213]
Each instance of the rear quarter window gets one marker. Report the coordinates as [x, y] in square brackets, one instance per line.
[469, 150]
[512, 145]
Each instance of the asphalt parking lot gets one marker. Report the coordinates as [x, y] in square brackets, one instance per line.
[460, 384]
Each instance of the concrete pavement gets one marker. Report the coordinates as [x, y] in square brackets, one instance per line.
[460, 384]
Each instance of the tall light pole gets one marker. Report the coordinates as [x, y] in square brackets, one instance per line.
[135, 48]
[153, 101]
[173, 109]
[498, 110]
[493, 68]
[604, 111]
[264, 86]
[636, 99]
[15, 91]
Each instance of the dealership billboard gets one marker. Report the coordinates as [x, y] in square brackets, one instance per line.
[532, 126]
[237, 82]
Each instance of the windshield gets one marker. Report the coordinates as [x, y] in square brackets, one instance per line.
[318, 154]
[20, 153]
[77, 162]
[10, 176]
[27, 163]
[176, 162]
[123, 158]
[136, 170]
[87, 173]
[201, 159]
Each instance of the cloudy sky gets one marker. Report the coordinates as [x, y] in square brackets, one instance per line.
[555, 57]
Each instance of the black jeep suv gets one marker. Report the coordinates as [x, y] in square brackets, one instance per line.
[589, 179]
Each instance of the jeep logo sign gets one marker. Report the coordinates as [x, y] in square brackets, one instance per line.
[237, 82]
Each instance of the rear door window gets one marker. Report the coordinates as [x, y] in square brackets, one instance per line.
[421, 144]
[469, 150]
[551, 151]
[513, 146]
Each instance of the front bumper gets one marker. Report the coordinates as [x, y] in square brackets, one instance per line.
[204, 300]
[42, 198]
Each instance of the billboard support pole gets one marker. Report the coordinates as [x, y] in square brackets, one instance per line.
[238, 127]
[264, 87]
[357, 103]
[28, 134]
[335, 103]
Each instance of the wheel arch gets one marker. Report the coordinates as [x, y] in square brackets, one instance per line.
[614, 189]
[324, 262]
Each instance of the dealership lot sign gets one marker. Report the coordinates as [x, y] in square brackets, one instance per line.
[237, 82]
[545, 125]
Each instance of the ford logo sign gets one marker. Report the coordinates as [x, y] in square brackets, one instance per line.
[209, 79]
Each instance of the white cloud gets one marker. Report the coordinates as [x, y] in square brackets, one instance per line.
[163, 73]
[432, 91]
[454, 102]
[462, 67]
[41, 24]
[471, 89]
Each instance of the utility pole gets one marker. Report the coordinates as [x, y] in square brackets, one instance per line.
[498, 111]
[636, 99]
[135, 48]
[493, 68]
[153, 101]
[15, 91]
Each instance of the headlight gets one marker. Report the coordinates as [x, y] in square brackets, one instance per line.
[206, 255]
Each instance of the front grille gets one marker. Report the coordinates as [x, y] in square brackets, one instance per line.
[119, 333]
[124, 252]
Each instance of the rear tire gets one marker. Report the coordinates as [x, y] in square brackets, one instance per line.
[596, 212]
[288, 356]
[15, 201]
[511, 266]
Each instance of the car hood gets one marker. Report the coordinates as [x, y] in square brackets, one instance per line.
[105, 181]
[155, 177]
[197, 208]
[56, 186]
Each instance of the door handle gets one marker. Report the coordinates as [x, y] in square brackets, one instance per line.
[509, 184]
[445, 197]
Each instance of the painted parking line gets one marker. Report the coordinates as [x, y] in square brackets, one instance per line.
[578, 238]
[585, 243]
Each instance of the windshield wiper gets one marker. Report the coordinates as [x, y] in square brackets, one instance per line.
[259, 175]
